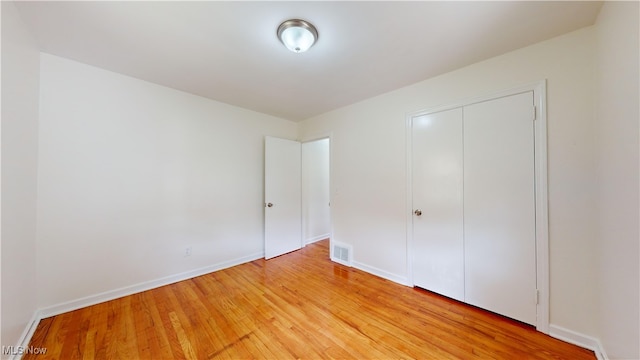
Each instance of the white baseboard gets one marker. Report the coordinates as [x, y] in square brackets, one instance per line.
[57, 309]
[402, 280]
[555, 331]
[26, 335]
[144, 286]
[118, 293]
[576, 338]
[316, 238]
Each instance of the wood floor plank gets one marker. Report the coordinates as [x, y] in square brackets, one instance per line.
[296, 306]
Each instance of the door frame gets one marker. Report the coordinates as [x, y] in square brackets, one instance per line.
[315, 137]
[539, 89]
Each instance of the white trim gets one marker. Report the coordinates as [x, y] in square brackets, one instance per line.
[542, 216]
[409, 200]
[532, 86]
[402, 280]
[58, 309]
[315, 137]
[578, 339]
[556, 331]
[316, 238]
[144, 286]
[541, 190]
[27, 333]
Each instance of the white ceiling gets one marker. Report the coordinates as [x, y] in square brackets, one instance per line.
[228, 51]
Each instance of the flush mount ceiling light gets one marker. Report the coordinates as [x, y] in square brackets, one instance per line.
[297, 35]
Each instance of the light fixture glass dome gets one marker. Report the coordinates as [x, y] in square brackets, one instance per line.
[297, 35]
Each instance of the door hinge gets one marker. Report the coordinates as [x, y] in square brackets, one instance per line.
[534, 113]
[537, 296]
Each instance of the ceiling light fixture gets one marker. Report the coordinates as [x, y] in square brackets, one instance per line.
[297, 35]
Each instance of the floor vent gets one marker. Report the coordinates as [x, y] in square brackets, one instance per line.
[341, 253]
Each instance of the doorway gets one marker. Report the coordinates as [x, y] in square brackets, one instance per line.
[316, 214]
[297, 194]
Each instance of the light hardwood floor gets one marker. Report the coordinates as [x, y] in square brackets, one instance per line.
[299, 305]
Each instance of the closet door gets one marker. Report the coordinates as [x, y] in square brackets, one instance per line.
[437, 203]
[499, 206]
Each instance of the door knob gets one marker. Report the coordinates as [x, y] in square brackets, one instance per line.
[418, 212]
[269, 205]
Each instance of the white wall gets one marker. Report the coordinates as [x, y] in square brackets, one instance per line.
[369, 166]
[132, 173]
[20, 76]
[315, 190]
[617, 173]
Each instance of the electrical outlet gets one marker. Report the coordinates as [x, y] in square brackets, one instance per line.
[187, 251]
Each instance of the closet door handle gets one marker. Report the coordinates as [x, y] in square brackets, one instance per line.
[418, 212]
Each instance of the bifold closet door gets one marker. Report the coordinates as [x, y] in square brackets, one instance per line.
[499, 206]
[437, 202]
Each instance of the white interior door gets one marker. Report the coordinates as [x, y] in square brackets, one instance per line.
[499, 206]
[437, 202]
[282, 182]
